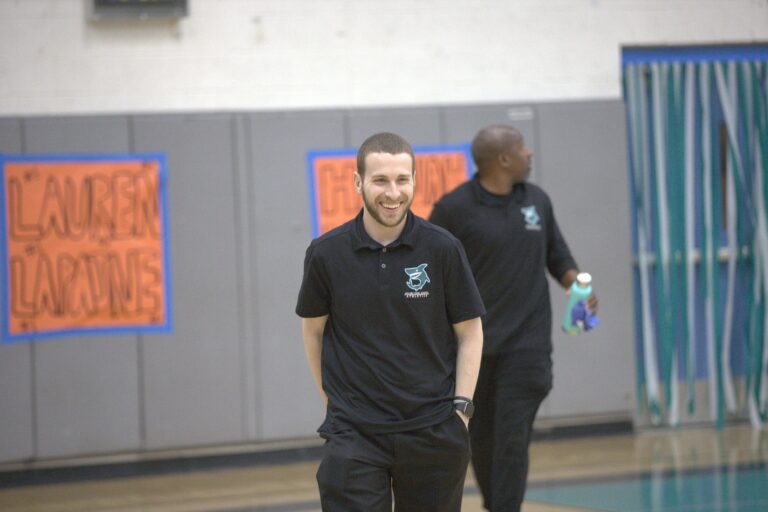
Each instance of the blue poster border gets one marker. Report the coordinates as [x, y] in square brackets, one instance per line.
[314, 217]
[166, 327]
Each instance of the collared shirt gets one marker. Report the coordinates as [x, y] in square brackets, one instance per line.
[389, 351]
[511, 241]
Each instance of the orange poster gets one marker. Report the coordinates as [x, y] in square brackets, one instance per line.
[334, 199]
[84, 245]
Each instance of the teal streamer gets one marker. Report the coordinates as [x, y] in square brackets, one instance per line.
[676, 285]
[746, 214]
[628, 86]
[714, 285]
[661, 234]
[689, 220]
[760, 96]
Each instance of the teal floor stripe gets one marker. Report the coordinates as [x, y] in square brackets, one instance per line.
[719, 490]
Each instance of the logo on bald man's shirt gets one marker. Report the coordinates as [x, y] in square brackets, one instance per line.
[532, 218]
[417, 279]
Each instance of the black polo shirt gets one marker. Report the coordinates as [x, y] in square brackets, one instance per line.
[389, 350]
[511, 241]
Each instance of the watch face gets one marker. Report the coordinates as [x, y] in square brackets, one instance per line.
[468, 408]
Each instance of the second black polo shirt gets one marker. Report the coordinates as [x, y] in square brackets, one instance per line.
[511, 241]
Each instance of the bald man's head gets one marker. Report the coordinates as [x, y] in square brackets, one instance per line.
[501, 148]
[491, 141]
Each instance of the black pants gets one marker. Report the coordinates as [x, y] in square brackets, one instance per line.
[424, 469]
[509, 391]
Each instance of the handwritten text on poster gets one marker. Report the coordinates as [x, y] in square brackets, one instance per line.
[85, 245]
[335, 200]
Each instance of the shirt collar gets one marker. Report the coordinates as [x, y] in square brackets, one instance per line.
[362, 240]
[489, 199]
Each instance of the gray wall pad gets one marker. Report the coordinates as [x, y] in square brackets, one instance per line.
[233, 370]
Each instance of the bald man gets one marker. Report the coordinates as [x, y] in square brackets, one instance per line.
[508, 229]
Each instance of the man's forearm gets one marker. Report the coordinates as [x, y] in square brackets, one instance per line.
[470, 352]
[312, 331]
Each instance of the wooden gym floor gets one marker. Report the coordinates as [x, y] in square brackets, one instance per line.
[665, 470]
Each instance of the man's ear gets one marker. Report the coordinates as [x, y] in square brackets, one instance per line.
[358, 183]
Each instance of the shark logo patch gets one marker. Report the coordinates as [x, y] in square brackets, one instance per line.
[417, 279]
[532, 219]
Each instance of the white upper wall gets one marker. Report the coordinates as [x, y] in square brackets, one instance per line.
[282, 54]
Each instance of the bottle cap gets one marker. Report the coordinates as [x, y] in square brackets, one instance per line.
[584, 279]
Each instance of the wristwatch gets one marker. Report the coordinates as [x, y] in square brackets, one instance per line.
[465, 405]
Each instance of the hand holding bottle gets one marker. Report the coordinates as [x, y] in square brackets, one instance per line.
[580, 312]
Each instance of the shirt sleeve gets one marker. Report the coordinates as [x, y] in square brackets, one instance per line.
[463, 301]
[559, 258]
[314, 294]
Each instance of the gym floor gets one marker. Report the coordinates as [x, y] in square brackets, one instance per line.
[661, 470]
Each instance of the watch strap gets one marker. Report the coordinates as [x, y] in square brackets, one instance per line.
[464, 404]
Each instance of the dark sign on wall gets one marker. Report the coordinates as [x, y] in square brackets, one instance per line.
[108, 9]
[84, 245]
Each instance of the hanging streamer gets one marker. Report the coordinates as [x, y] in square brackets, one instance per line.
[728, 101]
[747, 220]
[664, 304]
[689, 223]
[708, 253]
[761, 252]
[640, 179]
[758, 393]
[675, 176]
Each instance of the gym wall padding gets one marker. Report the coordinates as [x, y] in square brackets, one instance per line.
[233, 369]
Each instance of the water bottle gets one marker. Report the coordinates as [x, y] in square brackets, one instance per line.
[578, 317]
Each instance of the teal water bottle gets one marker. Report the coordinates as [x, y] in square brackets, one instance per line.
[577, 316]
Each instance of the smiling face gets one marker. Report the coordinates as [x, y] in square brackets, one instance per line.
[387, 188]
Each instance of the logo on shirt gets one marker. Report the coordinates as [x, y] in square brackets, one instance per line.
[417, 279]
[532, 218]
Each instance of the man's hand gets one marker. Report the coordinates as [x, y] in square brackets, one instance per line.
[592, 303]
[464, 418]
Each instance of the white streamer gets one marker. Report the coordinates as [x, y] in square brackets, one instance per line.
[690, 222]
[730, 108]
[708, 221]
[637, 107]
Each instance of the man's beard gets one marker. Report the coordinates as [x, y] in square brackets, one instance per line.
[372, 208]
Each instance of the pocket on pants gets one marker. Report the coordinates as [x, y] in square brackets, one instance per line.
[464, 429]
[336, 455]
[458, 434]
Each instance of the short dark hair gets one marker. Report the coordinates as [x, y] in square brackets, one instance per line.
[384, 142]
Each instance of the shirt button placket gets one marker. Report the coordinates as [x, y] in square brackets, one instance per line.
[383, 266]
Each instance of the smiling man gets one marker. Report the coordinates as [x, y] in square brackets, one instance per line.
[392, 332]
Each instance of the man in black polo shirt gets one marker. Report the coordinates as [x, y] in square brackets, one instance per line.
[392, 331]
[509, 231]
